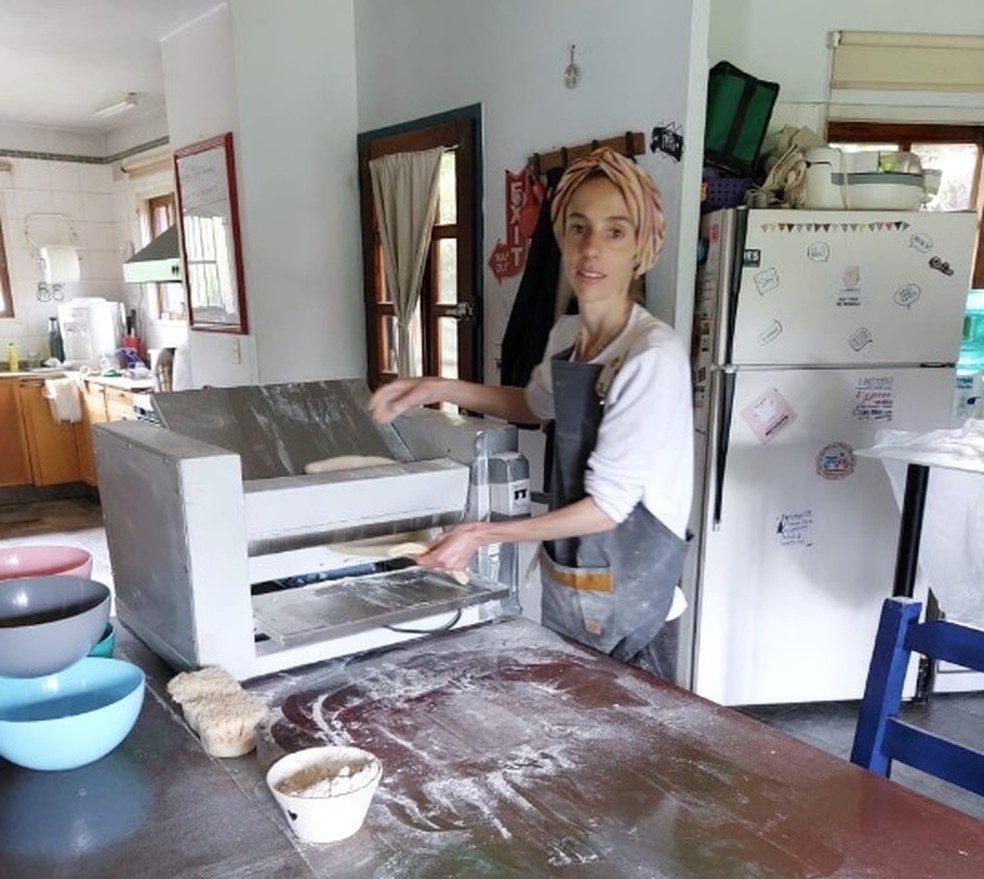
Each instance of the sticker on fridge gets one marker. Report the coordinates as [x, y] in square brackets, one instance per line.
[874, 399]
[795, 528]
[835, 461]
[768, 415]
[849, 287]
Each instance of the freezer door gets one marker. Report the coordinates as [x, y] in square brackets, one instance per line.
[844, 288]
[799, 536]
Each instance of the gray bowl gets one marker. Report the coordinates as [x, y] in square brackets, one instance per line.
[48, 623]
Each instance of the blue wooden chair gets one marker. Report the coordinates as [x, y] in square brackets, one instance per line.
[881, 735]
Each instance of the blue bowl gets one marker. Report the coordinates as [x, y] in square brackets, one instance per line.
[105, 645]
[71, 718]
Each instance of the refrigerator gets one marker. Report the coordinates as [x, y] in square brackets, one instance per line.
[812, 331]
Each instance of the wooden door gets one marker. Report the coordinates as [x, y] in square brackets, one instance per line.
[52, 444]
[447, 326]
[15, 464]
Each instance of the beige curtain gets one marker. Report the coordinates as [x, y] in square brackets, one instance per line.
[405, 188]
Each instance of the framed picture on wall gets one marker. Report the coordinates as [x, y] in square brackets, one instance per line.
[205, 178]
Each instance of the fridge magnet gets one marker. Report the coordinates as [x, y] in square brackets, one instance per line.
[849, 291]
[818, 251]
[770, 333]
[907, 295]
[668, 140]
[941, 266]
[859, 338]
[795, 529]
[766, 281]
[751, 258]
[767, 415]
[874, 399]
[835, 461]
[523, 197]
[921, 241]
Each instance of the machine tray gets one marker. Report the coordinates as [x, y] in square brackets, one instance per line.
[356, 604]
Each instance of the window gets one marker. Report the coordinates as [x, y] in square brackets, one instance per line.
[170, 298]
[6, 294]
[446, 326]
[956, 150]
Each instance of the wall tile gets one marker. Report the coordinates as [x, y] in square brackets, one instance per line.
[64, 176]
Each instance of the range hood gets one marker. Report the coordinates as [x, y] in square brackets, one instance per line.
[159, 261]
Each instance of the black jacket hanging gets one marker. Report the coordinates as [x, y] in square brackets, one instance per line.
[532, 313]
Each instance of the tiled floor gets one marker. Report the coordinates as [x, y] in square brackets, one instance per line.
[75, 522]
[828, 726]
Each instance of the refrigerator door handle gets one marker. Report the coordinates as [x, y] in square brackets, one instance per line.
[720, 432]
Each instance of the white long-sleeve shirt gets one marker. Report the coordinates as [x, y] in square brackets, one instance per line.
[644, 449]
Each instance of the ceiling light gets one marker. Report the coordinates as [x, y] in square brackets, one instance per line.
[118, 105]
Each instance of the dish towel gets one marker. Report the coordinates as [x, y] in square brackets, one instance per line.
[64, 398]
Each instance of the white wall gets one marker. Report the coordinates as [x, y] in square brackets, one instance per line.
[787, 43]
[200, 93]
[296, 92]
[282, 79]
[429, 56]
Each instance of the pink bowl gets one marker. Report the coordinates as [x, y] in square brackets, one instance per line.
[44, 561]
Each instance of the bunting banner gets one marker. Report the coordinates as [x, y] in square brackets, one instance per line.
[876, 226]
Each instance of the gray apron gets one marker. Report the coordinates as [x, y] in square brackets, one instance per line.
[610, 591]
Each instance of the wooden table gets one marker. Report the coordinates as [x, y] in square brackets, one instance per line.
[507, 752]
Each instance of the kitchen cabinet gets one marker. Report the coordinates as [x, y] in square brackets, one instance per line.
[52, 444]
[93, 412]
[15, 463]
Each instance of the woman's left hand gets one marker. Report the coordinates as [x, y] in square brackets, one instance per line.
[453, 550]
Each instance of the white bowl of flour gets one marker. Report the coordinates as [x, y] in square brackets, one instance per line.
[325, 792]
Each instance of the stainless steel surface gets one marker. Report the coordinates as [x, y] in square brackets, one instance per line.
[277, 429]
[355, 604]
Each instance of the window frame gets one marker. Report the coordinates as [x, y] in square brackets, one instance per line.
[167, 201]
[907, 133]
[6, 292]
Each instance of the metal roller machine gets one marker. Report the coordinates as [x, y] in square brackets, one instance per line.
[225, 552]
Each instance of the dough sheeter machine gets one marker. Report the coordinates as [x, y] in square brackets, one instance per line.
[225, 552]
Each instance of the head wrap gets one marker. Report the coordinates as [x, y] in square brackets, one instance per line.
[640, 193]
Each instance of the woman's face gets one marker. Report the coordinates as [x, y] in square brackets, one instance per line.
[599, 244]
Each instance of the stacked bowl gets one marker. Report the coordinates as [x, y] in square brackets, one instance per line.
[59, 707]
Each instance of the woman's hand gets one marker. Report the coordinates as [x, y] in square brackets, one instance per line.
[397, 397]
[453, 550]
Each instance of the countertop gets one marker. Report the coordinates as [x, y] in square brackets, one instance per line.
[507, 752]
[121, 382]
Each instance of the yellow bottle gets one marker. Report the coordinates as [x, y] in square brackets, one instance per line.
[13, 361]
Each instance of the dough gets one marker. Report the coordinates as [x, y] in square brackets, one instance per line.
[379, 547]
[206, 682]
[412, 549]
[226, 724]
[346, 462]
[217, 707]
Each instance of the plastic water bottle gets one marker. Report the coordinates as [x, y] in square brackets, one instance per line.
[968, 402]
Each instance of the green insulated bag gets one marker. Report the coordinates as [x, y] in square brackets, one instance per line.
[739, 107]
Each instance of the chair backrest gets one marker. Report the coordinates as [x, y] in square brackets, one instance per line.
[881, 736]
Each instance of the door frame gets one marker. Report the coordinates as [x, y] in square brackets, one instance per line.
[371, 144]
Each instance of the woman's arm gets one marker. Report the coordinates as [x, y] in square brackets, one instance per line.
[397, 397]
[453, 550]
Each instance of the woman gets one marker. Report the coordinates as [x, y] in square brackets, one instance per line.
[616, 383]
